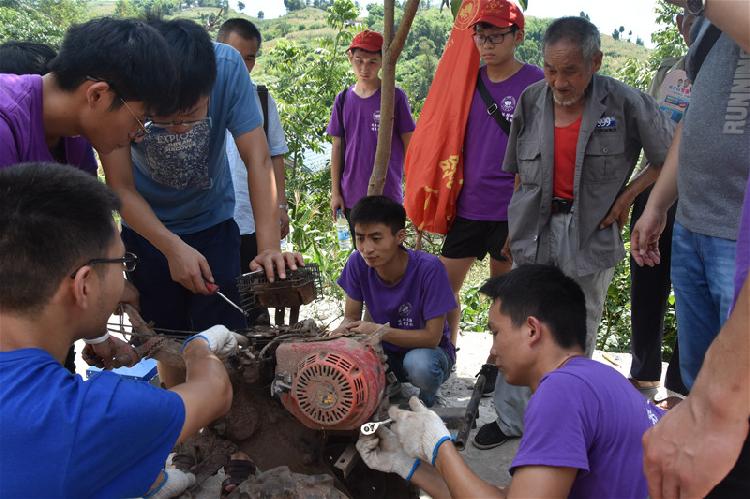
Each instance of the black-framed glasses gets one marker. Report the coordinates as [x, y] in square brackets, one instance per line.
[129, 260]
[492, 40]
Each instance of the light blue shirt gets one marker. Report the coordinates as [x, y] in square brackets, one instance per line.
[185, 178]
[243, 211]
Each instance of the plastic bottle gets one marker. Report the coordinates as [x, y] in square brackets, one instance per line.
[342, 232]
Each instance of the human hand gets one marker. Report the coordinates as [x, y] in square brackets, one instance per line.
[130, 296]
[189, 267]
[268, 259]
[644, 240]
[506, 250]
[110, 354]
[284, 221]
[337, 203]
[619, 212]
[221, 341]
[384, 452]
[419, 430]
[688, 452]
[363, 327]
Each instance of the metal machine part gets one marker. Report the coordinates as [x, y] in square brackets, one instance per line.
[332, 385]
[301, 287]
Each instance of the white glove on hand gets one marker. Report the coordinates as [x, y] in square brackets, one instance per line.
[175, 483]
[419, 430]
[221, 341]
[383, 452]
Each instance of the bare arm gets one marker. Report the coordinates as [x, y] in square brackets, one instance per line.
[428, 479]
[206, 392]
[427, 337]
[460, 479]
[621, 207]
[186, 265]
[406, 138]
[695, 444]
[733, 18]
[337, 200]
[279, 173]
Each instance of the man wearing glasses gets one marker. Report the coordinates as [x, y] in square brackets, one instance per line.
[177, 194]
[97, 92]
[62, 274]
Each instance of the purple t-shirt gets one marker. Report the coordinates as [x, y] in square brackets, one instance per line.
[22, 127]
[742, 260]
[487, 189]
[423, 293]
[361, 124]
[586, 415]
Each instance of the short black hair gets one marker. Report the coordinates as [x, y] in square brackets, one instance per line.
[544, 292]
[379, 210]
[242, 27]
[24, 58]
[52, 218]
[192, 52]
[577, 30]
[128, 54]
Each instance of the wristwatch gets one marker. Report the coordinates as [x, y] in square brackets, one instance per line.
[696, 7]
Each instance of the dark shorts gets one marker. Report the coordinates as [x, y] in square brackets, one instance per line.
[475, 238]
[171, 306]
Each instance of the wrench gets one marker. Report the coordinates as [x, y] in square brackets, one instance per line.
[370, 428]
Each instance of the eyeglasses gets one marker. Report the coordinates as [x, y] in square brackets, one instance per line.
[129, 260]
[145, 126]
[492, 40]
[187, 124]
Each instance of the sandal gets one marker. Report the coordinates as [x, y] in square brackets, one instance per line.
[668, 403]
[237, 471]
[644, 386]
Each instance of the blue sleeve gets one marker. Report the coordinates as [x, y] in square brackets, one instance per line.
[557, 426]
[125, 432]
[276, 140]
[437, 296]
[350, 280]
[243, 114]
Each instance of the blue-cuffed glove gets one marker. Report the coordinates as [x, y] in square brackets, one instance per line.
[221, 341]
[171, 483]
[419, 430]
[384, 452]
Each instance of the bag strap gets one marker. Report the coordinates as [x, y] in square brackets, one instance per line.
[263, 94]
[492, 108]
[710, 37]
[340, 113]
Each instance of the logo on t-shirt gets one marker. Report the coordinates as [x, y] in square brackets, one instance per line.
[375, 125]
[404, 316]
[508, 104]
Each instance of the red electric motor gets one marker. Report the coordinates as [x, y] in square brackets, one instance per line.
[329, 385]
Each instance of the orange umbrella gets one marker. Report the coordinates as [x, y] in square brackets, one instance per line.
[434, 160]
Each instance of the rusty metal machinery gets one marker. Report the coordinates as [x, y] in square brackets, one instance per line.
[330, 385]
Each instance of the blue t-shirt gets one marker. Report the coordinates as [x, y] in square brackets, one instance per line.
[61, 436]
[185, 177]
[586, 415]
[423, 293]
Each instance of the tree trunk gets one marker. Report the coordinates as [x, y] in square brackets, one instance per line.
[392, 46]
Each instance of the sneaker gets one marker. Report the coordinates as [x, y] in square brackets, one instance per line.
[490, 436]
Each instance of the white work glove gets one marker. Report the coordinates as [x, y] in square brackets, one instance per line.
[174, 483]
[383, 452]
[420, 430]
[221, 341]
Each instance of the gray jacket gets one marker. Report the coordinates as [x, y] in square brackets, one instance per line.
[617, 122]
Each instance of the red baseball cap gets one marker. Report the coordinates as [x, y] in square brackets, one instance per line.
[499, 13]
[368, 40]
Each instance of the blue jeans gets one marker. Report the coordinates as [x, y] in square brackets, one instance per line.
[425, 368]
[171, 306]
[703, 280]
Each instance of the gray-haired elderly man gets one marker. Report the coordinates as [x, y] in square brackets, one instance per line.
[575, 140]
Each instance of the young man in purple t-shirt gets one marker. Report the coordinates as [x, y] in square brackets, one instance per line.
[407, 294]
[584, 422]
[109, 75]
[355, 120]
[481, 224]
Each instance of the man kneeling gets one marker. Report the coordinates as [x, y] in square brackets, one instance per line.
[407, 294]
[62, 276]
[584, 421]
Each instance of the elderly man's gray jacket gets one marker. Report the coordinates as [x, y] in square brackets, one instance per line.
[617, 122]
